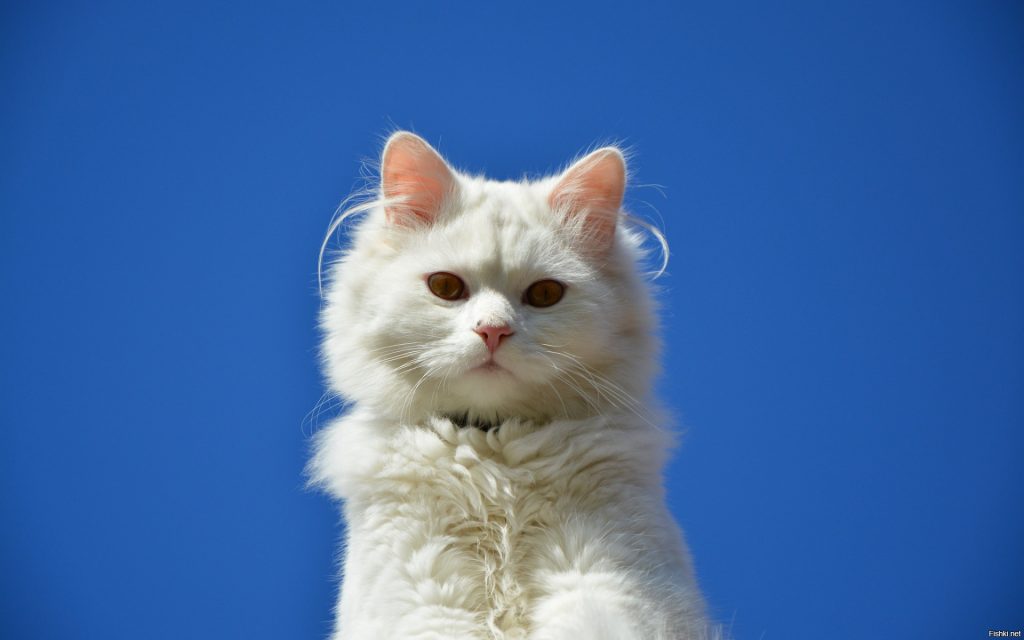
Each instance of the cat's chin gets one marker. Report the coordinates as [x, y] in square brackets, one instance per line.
[489, 380]
[485, 396]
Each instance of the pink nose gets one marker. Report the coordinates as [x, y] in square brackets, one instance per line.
[492, 335]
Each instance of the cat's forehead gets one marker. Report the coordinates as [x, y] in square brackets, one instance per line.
[501, 229]
[508, 202]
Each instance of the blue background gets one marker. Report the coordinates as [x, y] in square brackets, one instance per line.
[844, 310]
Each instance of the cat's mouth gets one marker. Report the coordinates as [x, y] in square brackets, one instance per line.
[490, 367]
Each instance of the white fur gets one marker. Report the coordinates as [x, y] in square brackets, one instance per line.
[549, 525]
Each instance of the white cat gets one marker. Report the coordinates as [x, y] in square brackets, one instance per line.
[500, 464]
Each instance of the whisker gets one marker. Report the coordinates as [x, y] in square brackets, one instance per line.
[611, 392]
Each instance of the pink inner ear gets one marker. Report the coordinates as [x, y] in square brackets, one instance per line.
[416, 178]
[589, 195]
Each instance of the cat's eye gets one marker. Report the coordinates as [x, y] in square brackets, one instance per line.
[544, 293]
[447, 286]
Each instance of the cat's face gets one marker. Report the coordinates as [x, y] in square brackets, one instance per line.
[485, 300]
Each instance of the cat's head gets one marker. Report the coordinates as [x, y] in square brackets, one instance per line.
[484, 300]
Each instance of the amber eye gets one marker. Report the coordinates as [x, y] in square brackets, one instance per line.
[544, 293]
[446, 285]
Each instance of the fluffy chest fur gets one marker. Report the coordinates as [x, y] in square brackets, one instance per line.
[488, 527]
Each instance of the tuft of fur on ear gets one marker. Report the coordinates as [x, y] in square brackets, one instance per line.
[415, 180]
[588, 197]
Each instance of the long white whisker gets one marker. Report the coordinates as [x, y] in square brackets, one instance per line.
[610, 386]
[565, 377]
[614, 394]
[565, 410]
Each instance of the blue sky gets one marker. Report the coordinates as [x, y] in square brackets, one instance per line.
[842, 186]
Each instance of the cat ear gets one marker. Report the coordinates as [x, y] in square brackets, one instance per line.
[588, 197]
[415, 180]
